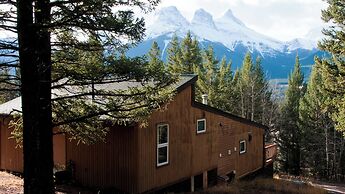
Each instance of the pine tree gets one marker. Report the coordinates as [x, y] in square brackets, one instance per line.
[334, 68]
[35, 22]
[207, 72]
[190, 54]
[261, 95]
[8, 84]
[155, 63]
[289, 134]
[245, 86]
[315, 125]
[225, 100]
[174, 55]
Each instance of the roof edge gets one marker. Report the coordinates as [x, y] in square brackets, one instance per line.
[185, 85]
[226, 114]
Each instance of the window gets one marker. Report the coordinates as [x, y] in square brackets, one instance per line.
[162, 144]
[201, 126]
[243, 146]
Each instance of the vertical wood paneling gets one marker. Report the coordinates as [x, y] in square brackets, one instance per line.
[191, 153]
[12, 155]
[107, 164]
[59, 147]
[128, 160]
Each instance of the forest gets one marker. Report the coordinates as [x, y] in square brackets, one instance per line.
[308, 123]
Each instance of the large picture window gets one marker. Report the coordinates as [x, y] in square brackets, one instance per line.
[201, 126]
[162, 144]
[243, 146]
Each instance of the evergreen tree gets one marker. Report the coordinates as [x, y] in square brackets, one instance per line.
[8, 85]
[334, 68]
[245, 86]
[174, 55]
[315, 125]
[290, 134]
[155, 63]
[225, 100]
[35, 22]
[260, 94]
[190, 54]
[207, 72]
[322, 147]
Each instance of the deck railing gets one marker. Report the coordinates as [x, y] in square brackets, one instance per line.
[270, 153]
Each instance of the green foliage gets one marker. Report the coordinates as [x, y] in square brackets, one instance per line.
[94, 100]
[155, 64]
[86, 76]
[333, 69]
[253, 92]
[174, 54]
[8, 85]
[190, 56]
[290, 132]
[321, 145]
[207, 72]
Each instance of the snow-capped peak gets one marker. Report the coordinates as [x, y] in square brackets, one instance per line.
[168, 19]
[228, 15]
[203, 18]
[228, 30]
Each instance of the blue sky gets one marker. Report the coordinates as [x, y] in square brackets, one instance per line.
[279, 19]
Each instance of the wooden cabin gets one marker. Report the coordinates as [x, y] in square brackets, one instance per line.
[188, 143]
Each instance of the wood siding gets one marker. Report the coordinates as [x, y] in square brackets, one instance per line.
[110, 164]
[11, 155]
[230, 159]
[190, 153]
[128, 161]
[59, 147]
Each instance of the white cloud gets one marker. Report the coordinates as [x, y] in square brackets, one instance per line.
[279, 19]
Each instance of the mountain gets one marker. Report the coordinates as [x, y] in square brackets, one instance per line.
[230, 37]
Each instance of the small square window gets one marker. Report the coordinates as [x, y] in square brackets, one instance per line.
[201, 126]
[243, 146]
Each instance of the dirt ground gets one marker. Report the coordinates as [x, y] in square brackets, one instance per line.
[11, 184]
[332, 188]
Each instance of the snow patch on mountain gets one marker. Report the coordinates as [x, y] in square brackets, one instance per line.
[301, 43]
[203, 18]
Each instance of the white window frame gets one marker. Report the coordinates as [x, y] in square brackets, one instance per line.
[162, 145]
[245, 146]
[197, 126]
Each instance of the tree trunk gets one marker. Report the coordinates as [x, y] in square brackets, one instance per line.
[35, 64]
[327, 154]
[252, 103]
[334, 155]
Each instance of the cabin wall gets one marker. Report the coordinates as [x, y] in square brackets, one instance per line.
[230, 134]
[108, 164]
[190, 153]
[59, 147]
[11, 155]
